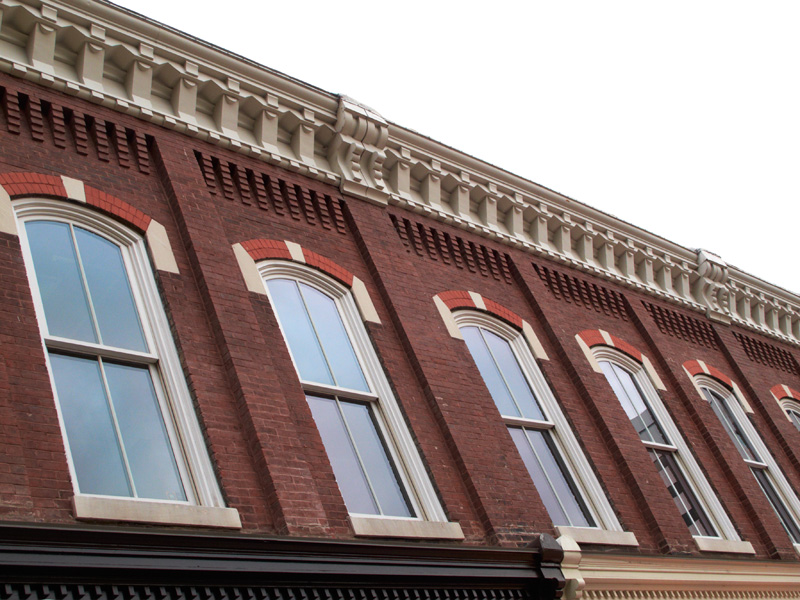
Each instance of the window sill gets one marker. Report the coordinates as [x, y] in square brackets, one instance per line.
[98, 508]
[587, 535]
[405, 528]
[715, 545]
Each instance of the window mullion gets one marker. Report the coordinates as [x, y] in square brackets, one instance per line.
[358, 456]
[85, 283]
[316, 334]
[117, 430]
[500, 371]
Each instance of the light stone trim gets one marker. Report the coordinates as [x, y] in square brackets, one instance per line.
[626, 576]
[533, 341]
[160, 248]
[8, 222]
[74, 188]
[295, 251]
[402, 528]
[587, 535]
[102, 508]
[605, 576]
[714, 545]
[590, 357]
[477, 299]
[252, 278]
[447, 317]
[123, 59]
[364, 301]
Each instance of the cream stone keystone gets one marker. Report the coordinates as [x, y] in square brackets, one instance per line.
[252, 278]
[295, 251]
[447, 317]
[160, 248]
[74, 188]
[8, 222]
[364, 302]
[478, 300]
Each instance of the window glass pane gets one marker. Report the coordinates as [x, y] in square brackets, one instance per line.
[110, 292]
[300, 336]
[90, 429]
[775, 500]
[632, 401]
[795, 418]
[60, 284]
[334, 340]
[344, 461]
[728, 420]
[144, 436]
[489, 371]
[682, 494]
[557, 478]
[372, 449]
[512, 373]
[537, 473]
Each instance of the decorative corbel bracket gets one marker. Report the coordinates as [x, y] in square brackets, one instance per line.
[357, 151]
[710, 289]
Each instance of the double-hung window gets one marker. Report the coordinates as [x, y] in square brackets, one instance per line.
[755, 453]
[555, 462]
[663, 451]
[374, 460]
[690, 491]
[128, 422]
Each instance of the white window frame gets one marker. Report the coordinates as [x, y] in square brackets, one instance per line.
[608, 529]
[205, 505]
[774, 473]
[431, 521]
[728, 540]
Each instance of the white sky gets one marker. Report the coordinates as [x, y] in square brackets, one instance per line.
[680, 117]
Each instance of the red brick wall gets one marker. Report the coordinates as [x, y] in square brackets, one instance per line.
[263, 443]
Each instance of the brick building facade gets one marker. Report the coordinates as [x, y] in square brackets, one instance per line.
[373, 366]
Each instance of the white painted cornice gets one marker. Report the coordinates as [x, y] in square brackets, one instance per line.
[124, 61]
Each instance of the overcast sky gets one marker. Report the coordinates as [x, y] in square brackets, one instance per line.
[680, 117]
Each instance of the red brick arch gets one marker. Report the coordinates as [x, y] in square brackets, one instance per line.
[262, 249]
[455, 299]
[23, 184]
[698, 367]
[781, 391]
[598, 337]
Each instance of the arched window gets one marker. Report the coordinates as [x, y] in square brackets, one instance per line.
[690, 491]
[792, 410]
[124, 408]
[566, 483]
[374, 459]
[754, 452]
